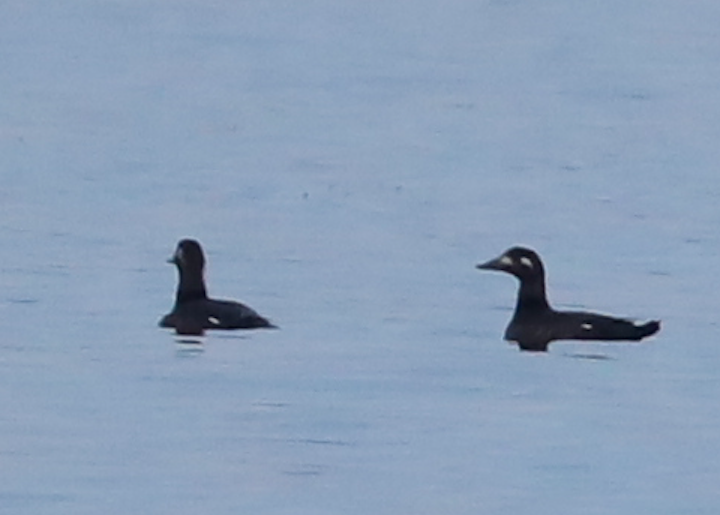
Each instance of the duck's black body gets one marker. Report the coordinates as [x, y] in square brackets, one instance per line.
[535, 324]
[193, 310]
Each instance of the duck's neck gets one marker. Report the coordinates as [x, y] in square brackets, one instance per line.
[191, 286]
[532, 295]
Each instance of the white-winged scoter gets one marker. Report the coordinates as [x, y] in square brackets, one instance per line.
[194, 311]
[535, 324]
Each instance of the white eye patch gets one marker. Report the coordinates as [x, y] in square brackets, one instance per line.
[507, 260]
[526, 262]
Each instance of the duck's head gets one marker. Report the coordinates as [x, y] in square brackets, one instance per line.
[188, 255]
[522, 262]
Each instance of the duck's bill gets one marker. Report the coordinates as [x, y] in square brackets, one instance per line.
[493, 264]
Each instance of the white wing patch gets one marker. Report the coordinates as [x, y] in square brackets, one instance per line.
[214, 321]
[586, 326]
[526, 261]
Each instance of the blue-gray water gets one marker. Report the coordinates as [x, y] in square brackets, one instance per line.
[345, 165]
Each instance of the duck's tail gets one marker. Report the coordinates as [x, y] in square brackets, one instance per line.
[647, 329]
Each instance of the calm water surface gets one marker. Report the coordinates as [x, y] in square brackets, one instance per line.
[345, 166]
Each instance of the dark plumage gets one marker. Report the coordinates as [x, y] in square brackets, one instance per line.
[535, 324]
[194, 311]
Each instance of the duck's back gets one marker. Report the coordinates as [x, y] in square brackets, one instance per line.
[535, 331]
[216, 314]
[228, 314]
[593, 326]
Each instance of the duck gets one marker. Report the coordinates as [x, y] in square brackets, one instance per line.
[194, 311]
[535, 324]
